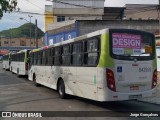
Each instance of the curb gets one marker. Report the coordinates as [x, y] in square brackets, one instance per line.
[151, 102]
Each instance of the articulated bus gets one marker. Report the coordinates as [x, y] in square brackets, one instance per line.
[106, 65]
[6, 61]
[19, 63]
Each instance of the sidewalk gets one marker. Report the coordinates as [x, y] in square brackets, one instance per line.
[154, 100]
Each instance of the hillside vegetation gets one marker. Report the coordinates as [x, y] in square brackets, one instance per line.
[22, 31]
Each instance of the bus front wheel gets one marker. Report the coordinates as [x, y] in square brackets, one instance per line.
[18, 75]
[35, 82]
[11, 70]
[61, 89]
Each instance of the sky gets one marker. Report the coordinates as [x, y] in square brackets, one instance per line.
[37, 6]
[13, 20]
[121, 3]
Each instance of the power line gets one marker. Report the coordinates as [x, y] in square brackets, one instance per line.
[34, 5]
[66, 3]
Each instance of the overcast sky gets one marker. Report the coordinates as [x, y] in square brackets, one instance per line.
[121, 3]
[12, 20]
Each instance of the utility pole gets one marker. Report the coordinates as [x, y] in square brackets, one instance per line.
[30, 28]
[10, 42]
[36, 41]
[159, 17]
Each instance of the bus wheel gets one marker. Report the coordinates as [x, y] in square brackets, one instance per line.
[11, 70]
[61, 89]
[34, 81]
[18, 73]
[5, 68]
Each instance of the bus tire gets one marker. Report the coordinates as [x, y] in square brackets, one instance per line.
[18, 73]
[61, 89]
[11, 70]
[34, 81]
[5, 68]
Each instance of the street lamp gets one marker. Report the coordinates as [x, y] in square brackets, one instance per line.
[30, 27]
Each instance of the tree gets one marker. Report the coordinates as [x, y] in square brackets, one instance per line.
[7, 6]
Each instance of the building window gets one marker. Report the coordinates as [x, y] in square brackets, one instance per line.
[13, 41]
[60, 18]
[23, 43]
[5, 42]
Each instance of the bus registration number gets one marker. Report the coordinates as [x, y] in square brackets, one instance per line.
[134, 87]
[145, 69]
[135, 96]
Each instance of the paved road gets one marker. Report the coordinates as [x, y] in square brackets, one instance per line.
[19, 94]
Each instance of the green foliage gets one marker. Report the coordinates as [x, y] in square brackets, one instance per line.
[22, 31]
[7, 6]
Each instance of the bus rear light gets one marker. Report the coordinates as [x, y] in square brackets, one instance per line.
[26, 66]
[110, 80]
[154, 79]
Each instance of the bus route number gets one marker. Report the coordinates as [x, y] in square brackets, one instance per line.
[145, 69]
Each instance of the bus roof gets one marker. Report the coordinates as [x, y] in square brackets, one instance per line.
[96, 33]
[42, 48]
[25, 50]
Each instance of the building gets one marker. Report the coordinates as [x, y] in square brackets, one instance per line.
[71, 29]
[142, 12]
[140, 17]
[78, 8]
[13, 42]
[48, 17]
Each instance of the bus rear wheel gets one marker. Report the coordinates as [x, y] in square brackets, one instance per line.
[61, 89]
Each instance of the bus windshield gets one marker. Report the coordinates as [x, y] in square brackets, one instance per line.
[131, 44]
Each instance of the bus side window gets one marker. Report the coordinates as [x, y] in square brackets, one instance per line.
[57, 57]
[35, 58]
[77, 53]
[52, 55]
[91, 52]
[32, 58]
[46, 52]
[66, 56]
[49, 55]
[43, 57]
[39, 58]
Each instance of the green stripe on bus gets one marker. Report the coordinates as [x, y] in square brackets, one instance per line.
[105, 59]
[25, 58]
[95, 81]
[155, 60]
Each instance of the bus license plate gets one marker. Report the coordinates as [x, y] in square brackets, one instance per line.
[135, 96]
[134, 87]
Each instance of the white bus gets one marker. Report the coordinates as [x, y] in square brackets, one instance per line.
[6, 61]
[19, 63]
[106, 65]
